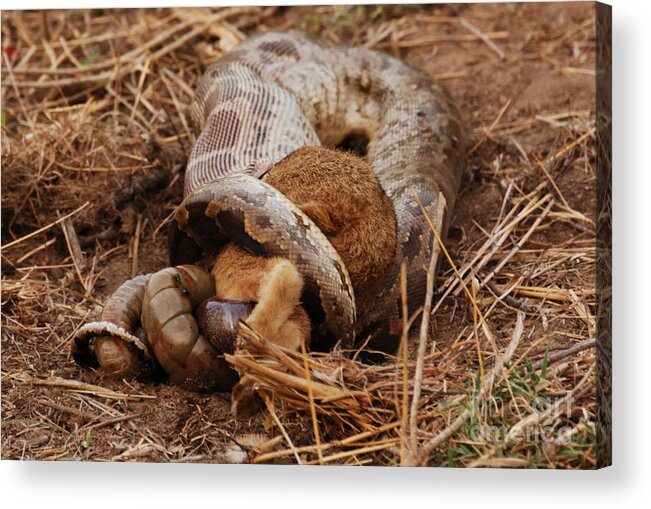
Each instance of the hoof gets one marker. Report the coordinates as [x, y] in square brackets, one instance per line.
[170, 299]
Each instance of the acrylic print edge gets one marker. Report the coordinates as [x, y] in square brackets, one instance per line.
[603, 140]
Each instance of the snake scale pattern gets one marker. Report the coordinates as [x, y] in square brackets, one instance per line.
[271, 95]
[277, 92]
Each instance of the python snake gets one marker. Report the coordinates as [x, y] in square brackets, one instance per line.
[275, 93]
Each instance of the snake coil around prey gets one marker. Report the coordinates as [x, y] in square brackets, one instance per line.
[270, 96]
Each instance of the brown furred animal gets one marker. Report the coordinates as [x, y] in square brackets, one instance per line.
[277, 93]
[258, 107]
[341, 194]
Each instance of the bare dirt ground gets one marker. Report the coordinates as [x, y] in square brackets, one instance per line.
[94, 139]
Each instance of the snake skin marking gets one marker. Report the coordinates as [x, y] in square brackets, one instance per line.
[297, 91]
[271, 97]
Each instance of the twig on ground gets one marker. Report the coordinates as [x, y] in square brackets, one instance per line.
[487, 40]
[487, 131]
[444, 435]
[136, 247]
[75, 385]
[282, 429]
[72, 241]
[516, 431]
[428, 41]
[424, 329]
[564, 354]
[511, 301]
[315, 421]
[45, 228]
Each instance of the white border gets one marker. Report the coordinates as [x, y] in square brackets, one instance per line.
[98, 485]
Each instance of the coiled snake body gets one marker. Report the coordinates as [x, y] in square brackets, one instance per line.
[278, 92]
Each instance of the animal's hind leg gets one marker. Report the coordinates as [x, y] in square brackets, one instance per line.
[274, 284]
[278, 300]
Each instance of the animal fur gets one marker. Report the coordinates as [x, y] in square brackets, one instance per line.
[342, 195]
[275, 284]
[277, 92]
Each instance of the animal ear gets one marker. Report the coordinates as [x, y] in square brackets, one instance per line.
[323, 216]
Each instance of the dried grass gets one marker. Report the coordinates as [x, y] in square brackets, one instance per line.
[95, 137]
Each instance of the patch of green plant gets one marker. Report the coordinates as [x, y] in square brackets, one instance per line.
[96, 13]
[342, 17]
[88, 439]
[92, 58]
[9, 422]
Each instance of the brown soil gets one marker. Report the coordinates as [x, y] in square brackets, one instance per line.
[85, 142]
